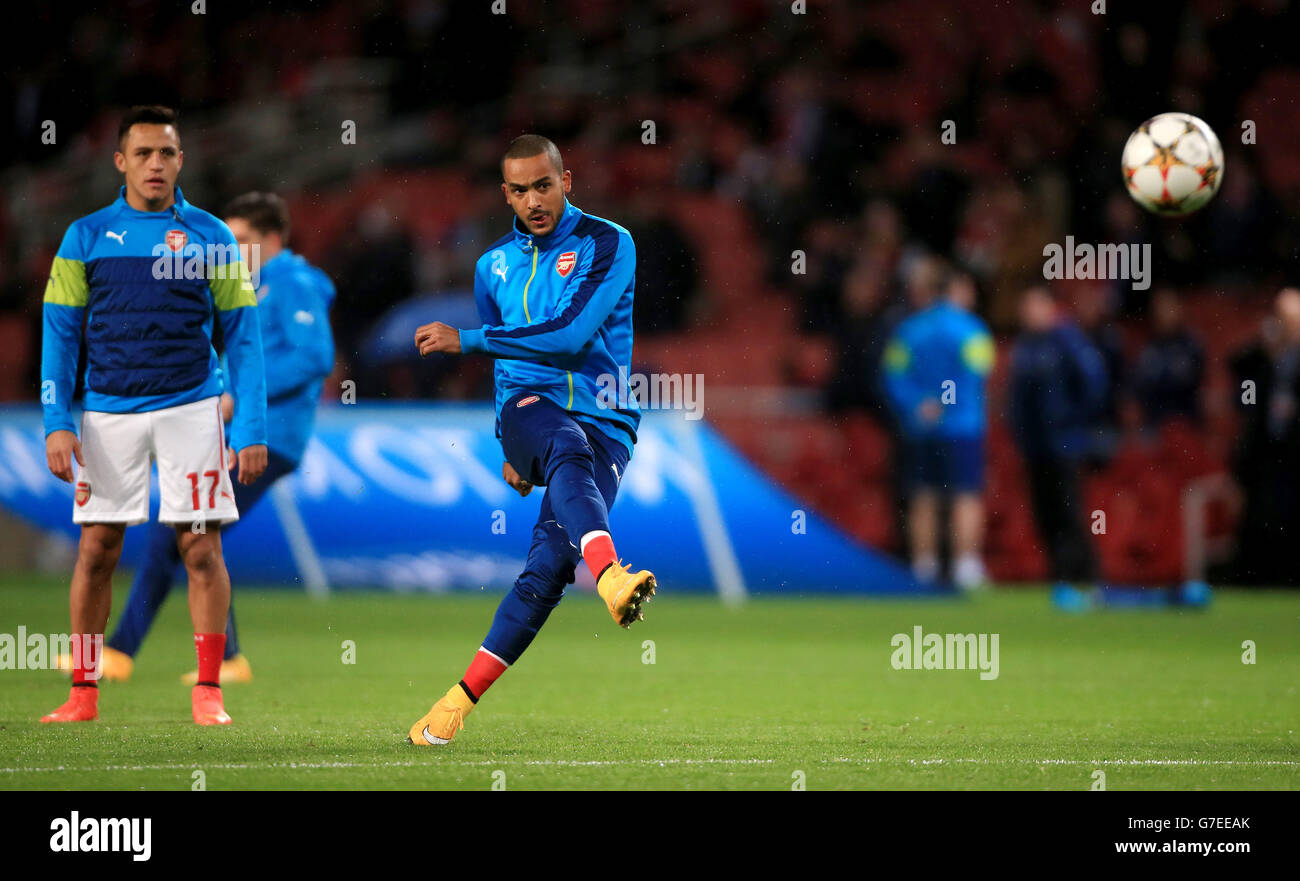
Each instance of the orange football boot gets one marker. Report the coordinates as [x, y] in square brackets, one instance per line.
[624, 591]
[208, 706]
[82, 706]
[438, 726]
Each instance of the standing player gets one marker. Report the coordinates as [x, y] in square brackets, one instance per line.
[293, 310]
[146, 274]
[555, 298]
[936, 367]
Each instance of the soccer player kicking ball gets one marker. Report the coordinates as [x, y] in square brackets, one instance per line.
[555, 298]
[146, 274]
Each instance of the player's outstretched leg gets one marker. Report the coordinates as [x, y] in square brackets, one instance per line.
[89, 600]
[209, 606]
[581, 508]
[581, 468]
[522, 612]
[552, 561]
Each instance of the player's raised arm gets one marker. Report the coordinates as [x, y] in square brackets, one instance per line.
[439, 337]
[236, 305]
[606, 264]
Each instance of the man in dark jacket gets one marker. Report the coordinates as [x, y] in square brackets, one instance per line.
[1057, 383]
[1172, 366]
[1266, 463]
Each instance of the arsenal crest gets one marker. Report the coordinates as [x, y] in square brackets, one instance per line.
[83, 493]
[176, 239]
[564, 263]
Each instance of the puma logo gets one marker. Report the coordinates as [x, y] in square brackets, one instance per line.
[120, 236]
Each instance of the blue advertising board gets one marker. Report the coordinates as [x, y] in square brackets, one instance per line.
[411, 498]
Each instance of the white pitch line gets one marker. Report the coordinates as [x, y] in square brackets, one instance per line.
[571, 763]
[1191, 763]
[559, 763]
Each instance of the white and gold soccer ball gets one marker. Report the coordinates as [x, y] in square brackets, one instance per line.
[1173, 164]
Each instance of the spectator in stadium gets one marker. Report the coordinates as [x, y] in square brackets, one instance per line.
[1094, 311]
[870, 316]
[1171, 368]
[1270, 472]
[1259, 557]
[828, 246]
[936, 365]
[667, 257]
[376, 267]
[1055, 388]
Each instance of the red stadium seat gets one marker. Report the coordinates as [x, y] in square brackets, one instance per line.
[15, 357]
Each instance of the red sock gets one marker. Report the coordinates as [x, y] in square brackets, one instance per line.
[482, 672]
[599, 553]
[86, 652]
[210, 648]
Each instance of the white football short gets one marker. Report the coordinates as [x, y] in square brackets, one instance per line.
[189, 444]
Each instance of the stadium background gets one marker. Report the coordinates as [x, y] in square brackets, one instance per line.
[774, 132]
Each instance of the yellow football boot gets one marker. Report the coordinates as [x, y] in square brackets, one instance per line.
[114, 666]
[624, 591]
[440, 724]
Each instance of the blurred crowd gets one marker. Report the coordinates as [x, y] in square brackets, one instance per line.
[908, 150]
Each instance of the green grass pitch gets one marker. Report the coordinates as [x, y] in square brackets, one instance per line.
[737, 698]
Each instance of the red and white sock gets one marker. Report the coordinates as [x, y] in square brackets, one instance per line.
[210, 648]
[598, 550]
[482, 672]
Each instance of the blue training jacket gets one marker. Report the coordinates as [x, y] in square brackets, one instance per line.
[557, 315]
[293, 308]
[146, 284]
[941, 343]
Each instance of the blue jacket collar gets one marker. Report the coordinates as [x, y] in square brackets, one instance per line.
[177, 208]
[526, 240]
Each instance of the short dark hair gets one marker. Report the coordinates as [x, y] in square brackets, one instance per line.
[265, 212]
[525, 146]
[148, 114]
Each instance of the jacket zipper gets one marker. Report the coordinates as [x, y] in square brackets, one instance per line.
[528, 318]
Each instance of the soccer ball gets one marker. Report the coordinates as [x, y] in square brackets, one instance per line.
[1173, 164]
